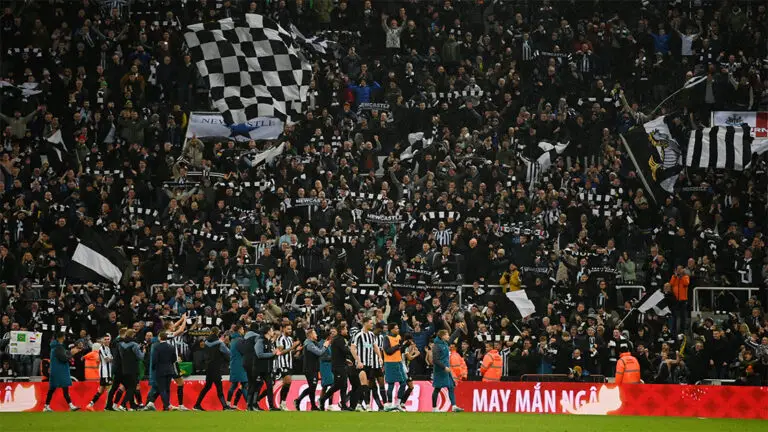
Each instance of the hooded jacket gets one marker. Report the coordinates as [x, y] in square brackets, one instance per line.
[236, 371]
[313, 351]
[246, 349]
[59, 371]
[262, 349]
[217, 355]
[130, 355]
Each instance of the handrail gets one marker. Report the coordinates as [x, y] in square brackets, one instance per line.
[696, 290]
[640, 287]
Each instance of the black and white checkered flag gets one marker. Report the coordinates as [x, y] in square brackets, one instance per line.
[254, 69]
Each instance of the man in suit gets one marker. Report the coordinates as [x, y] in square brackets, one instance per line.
[163, 359]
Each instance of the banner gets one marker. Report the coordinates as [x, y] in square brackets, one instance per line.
[211, 124]
[25, 343]
[385, 219]
[473, 396]
[758, 121]
[372, 106]
[608, 399]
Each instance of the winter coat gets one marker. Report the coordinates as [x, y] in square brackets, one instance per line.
[59, 372]
[392, 35]
[236, 370]
[18, 125]
[441, 355]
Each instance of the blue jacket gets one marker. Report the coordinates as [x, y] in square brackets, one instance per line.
[420, 338]
[363, 94]
[326, 370]
[59, 366]
[236, 371]
[155, 341]
[441, 356]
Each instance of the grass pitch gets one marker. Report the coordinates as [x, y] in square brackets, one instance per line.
[357, 422]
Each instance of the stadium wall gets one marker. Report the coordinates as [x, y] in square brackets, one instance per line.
[502, 397]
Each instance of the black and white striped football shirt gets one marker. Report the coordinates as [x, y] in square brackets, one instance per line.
[443, 237]
[365, 343]
[285, 361]
[179, 345]
[105, 362]
[380, 342]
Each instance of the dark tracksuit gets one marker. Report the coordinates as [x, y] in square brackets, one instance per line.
[246, 348]
[340, 353]
[117, 374]
[217, 355]
[130, 355]
[312, 353]
[262, 370]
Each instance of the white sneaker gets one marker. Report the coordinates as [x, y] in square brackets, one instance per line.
[47, 409]
[150, 406]
[456, 409]
[359, 408]
[120, 408]
[435, 410]
[182, 408]
[73, 407]
[402, 407]
[173, 408]
[283, 406]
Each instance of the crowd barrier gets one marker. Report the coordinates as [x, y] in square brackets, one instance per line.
[501, 397]
[751, 291]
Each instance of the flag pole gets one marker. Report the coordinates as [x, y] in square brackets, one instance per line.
[516, 328]
[694, 81]
[665, 101]
[625, 318]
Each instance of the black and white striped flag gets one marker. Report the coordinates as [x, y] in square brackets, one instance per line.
[516, 305]
[655, 301]
[95, 259]
[724, 147]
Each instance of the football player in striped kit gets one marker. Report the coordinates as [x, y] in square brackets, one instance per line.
[105, 370]
[284, 363]
[376, 383]
[176, 331]
[365, 350]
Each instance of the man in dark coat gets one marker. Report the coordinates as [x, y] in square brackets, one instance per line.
[313, 350]
[59, 372]
[163, 360]
[217, 355]
[265, 351]
[130, 355]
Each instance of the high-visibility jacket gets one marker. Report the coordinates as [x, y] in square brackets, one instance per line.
[92, 365]
[627, 369]
[491, 367]
[397, 356]
[680, 287]
[458, 366]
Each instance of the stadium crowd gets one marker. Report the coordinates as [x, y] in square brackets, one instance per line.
[348, 227]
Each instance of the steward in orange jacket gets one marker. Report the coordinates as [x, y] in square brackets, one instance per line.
[627, 368]
[92, 362]
[491, 367]
[458, 365]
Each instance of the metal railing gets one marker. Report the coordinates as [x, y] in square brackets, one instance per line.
[712, 290]
[640, 288]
